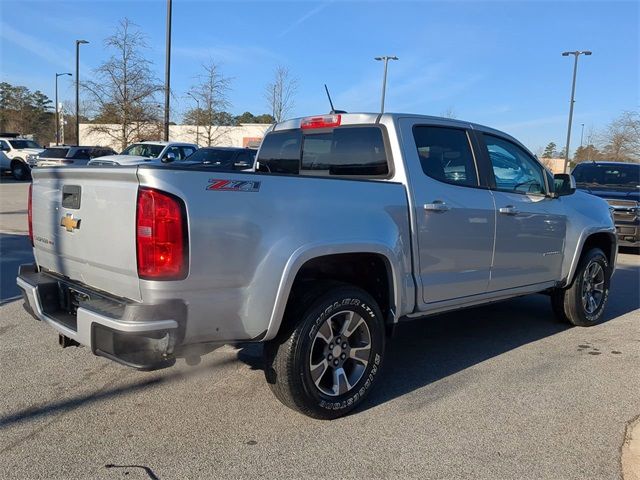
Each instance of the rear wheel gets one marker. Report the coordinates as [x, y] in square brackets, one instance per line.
[582, 304]
[19, 170]
[328, 361]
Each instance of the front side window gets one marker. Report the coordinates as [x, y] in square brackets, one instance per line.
[80, 153]
[514, 169]
[445, 155]
[54, 153]
[186, 151]
[143, 150]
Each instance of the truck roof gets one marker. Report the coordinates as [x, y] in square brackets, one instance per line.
[370, 118]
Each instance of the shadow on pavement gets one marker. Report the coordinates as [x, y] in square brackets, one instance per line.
[14, 251]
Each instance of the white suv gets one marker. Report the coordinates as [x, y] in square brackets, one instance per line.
[17, 152]
[143, 152]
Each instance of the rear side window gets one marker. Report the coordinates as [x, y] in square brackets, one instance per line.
[343, 151]
[445, 155]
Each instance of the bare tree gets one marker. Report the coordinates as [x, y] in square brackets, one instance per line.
[125, 88]
[211, 116]
[280, 93]
[621, 138]
[449, 113]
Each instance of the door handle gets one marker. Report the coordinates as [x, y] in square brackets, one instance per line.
[508, 210]
[436, 206]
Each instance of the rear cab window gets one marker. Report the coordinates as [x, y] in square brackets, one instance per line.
[344, 151]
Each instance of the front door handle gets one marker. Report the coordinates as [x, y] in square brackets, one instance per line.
[436, 206]
[509, 210]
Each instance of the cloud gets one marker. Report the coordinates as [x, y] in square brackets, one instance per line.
[54, 55]
[226, 53]
[303, 18]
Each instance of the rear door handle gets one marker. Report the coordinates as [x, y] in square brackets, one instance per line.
[509, 210]
[436, 206]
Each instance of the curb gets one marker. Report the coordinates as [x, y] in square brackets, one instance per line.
[631, 451]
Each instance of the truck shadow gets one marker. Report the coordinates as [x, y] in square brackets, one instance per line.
[426, 350]
[14, 251]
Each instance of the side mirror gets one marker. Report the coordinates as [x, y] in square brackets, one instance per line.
[169, 157]
[564, 184]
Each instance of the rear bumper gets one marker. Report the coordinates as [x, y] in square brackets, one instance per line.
[141, 336]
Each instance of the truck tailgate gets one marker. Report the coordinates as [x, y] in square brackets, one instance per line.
[84, 226]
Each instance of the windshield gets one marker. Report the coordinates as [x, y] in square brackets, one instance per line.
[608, 175]
[144, 150]
[212, 155]
[24, 144]
[54, 153]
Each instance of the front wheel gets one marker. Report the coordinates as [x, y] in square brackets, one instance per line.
[583, 303]
[331, 356]
[19, 170]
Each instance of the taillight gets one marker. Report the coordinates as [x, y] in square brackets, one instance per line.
[30, 213]
[161, 236]
[323, 121]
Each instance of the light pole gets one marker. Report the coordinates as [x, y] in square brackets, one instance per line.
[581, 134]
[57, 109]
[576, 54]
[197, 118]
[167, 73]
[386, 59]
[78, 43]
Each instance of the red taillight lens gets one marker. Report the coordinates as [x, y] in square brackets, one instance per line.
[30, 213]
[324, 121]
[161, 236]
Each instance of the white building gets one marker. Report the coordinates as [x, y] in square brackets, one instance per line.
[244, 135]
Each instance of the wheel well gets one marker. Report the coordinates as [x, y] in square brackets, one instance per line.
[604, 241]
[368, 271]
[16, 160]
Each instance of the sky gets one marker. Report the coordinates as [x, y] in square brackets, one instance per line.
[494, 63]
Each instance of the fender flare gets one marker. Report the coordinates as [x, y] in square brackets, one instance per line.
[578, 252]
[310, 251]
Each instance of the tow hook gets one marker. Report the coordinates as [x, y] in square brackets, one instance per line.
[65, 341]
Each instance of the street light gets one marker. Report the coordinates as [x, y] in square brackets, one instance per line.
[167, 73]
[197, 118]
[386, 59]
[57, 109]
[577, 53]
[78, 43]
[581, 134]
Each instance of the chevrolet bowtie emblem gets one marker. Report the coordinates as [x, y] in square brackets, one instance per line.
[70, 223]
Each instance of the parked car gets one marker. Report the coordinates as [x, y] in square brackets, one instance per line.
[65, 155]
[17, 151]
[223, 158]
[619, 184]
[143, 152]
[352, 223]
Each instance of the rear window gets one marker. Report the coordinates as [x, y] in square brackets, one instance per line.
[343, 151]
[54, 153]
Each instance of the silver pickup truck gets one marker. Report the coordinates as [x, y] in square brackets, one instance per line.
[349, 224]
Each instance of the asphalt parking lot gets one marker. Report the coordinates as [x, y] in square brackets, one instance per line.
[496, 392]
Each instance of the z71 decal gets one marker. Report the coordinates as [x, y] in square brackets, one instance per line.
[233, 185]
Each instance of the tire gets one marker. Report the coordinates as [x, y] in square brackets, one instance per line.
[583, 302]
[309, 372]
[19, 170]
